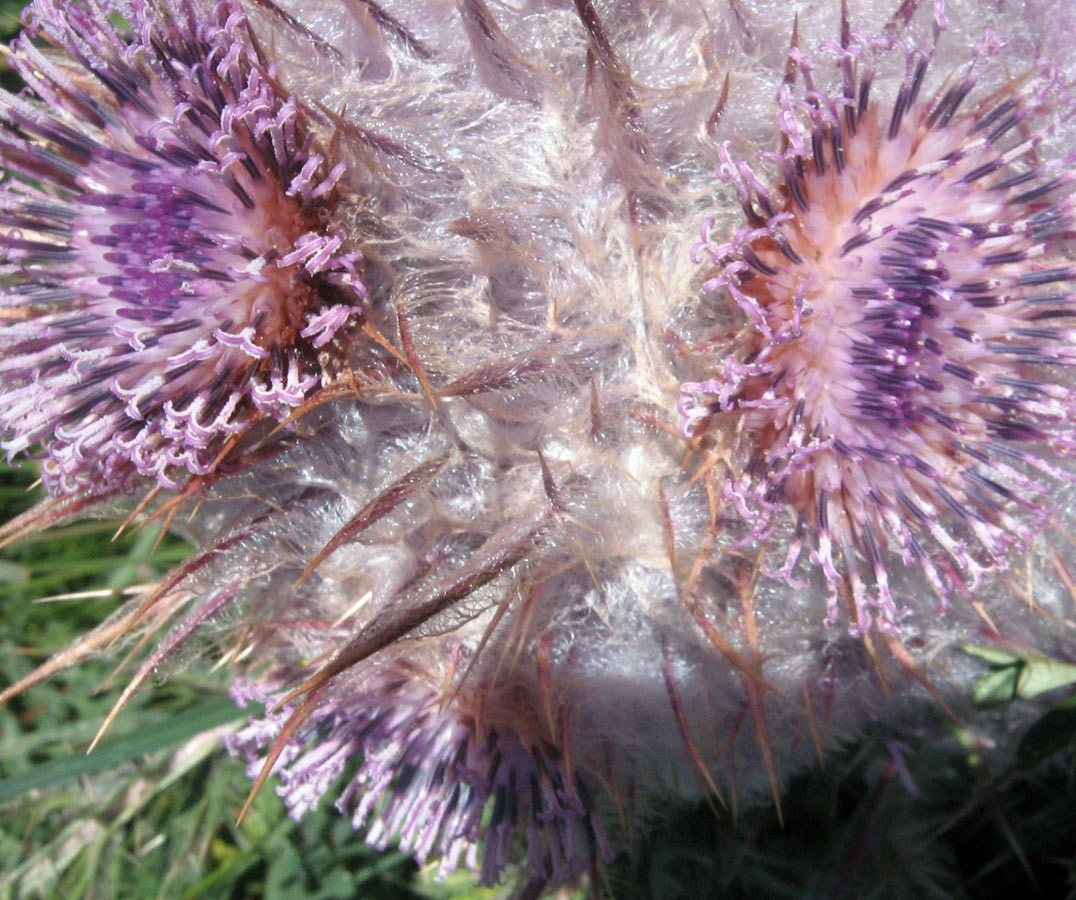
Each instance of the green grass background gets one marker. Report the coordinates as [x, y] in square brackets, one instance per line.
[151, 812]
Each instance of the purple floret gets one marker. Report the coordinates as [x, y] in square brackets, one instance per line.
[901, 381]
[430, 779]
[166, 274]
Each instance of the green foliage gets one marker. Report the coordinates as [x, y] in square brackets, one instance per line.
[880, 822]
[1015, 677]
[9, 26]
[151, 812]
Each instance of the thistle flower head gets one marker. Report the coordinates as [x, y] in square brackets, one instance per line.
[487, 576]
[431, 779]
[900, 385]
[170, 268]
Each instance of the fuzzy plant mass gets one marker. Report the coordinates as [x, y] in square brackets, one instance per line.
[579, 406]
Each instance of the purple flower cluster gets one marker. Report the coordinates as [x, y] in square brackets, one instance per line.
[431, 780]
[495, 590]
[167, 276]
[908, 303]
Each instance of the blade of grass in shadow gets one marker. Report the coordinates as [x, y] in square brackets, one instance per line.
[160, 736]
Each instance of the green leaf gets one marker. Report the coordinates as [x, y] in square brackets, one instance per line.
[997, 687]
[159, 736]
[994, 656]
[1012, 676]
[1042, 674]
[13, 573]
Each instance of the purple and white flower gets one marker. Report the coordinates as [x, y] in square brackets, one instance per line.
[501, 596]
[902, 383]
[169, 275]
[431, 779]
